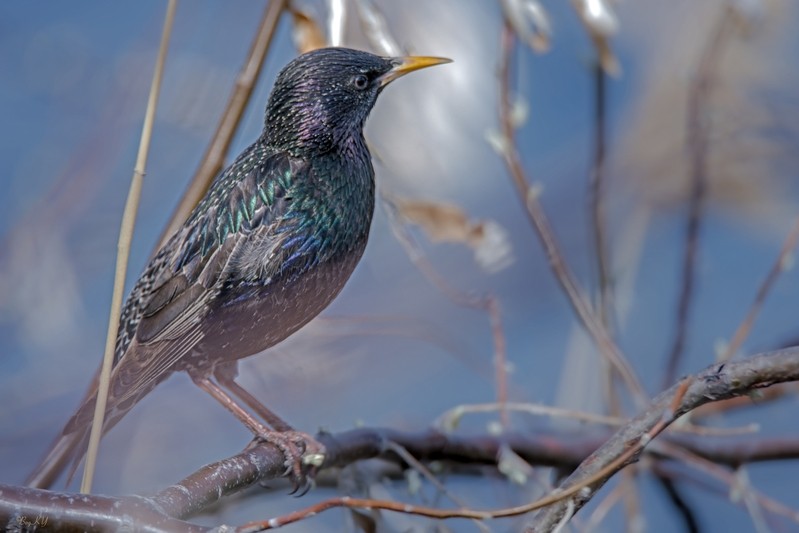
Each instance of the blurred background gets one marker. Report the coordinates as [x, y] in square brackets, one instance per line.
[393, 350]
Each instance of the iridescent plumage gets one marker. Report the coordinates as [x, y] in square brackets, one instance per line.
[270, 245]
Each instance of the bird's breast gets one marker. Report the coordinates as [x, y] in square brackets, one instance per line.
[286, 272]
[249, 317]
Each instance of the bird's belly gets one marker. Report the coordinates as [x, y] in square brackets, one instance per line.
[255, 317]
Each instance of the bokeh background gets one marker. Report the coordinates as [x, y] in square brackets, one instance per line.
[393, 350]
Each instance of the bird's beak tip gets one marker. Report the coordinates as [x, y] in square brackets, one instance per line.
[404, 65]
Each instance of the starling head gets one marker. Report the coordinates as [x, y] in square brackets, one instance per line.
[321, 99]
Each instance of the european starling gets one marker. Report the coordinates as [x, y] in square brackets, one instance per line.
[267, 249]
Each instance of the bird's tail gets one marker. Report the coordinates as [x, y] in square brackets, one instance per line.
[69, 447]
[67, 450]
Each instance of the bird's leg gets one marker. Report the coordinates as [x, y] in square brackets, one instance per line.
[226, 375]
[299, 449]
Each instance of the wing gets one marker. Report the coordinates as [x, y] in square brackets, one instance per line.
[162, 320]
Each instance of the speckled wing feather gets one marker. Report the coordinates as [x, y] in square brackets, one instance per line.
[162, 321]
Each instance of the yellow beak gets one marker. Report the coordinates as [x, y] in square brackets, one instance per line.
[404, 65]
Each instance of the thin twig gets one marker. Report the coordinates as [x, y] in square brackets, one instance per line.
[596, 186]
[726, 476]
[568, 496]
[750, 500]
[698, 139]
[215, 154]
[716, 382]
[632, 502]
[604, 507]
[123, 251]
[702, 479]
[540, 222]
[450, 418]
[487, 303]
[424, 471]
[632, 505]
[597, 190]
[678, 501]
[430, 512]
[776, 269]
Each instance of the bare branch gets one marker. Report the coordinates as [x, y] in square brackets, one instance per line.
[596, 185]
[260, 461]
[487, 303]
[698, 139]
[540, 222]
[715, 383]
[776, 269]
[25, 509]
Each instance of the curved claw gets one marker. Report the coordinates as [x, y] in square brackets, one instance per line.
[295, 486]
[294, 446]
[306, 487]
[301, 479]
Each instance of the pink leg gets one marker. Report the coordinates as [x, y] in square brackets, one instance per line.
[226, 376]
[294, 444]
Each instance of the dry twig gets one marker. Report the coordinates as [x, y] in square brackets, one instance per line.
[777, 268]
[215, 154]
[540, 222]
[698, 141]
[487, 303]
[123, 252]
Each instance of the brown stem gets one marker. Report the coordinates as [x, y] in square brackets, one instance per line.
[776, 269]
[597, 188]
[215, 154]
[487, 303]
[540, 222]
[698, 137]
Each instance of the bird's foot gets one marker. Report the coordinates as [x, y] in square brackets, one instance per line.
[303, 456]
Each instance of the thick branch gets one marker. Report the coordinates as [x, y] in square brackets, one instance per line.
[24, 509]
[717, 382]
[261, 461]
[562, 449]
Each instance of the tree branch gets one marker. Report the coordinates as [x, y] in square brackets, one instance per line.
[259, 461]
[717, 382]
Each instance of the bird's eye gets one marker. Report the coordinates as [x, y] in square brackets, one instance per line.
[360, 81]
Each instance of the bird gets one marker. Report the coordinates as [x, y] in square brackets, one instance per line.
[269, 246]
